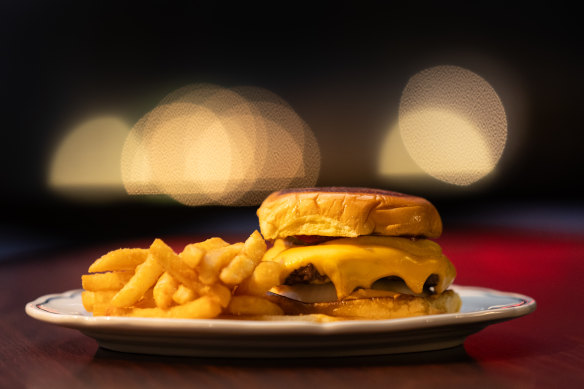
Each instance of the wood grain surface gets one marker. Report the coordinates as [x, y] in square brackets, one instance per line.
[544, 349]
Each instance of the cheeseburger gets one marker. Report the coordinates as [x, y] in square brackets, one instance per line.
[357, 253]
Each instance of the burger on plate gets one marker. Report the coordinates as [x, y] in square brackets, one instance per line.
[357, 253]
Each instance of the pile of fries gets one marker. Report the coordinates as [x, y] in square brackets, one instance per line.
[206, 280]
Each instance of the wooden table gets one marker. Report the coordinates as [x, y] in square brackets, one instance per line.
[544, 349]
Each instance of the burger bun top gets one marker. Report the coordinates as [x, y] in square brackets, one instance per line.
[347, 212]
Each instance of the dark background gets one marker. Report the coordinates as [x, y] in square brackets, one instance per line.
[340, 65]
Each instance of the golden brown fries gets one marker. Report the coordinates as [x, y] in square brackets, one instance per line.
[252, 306]
[147, 301]
[219, 293]
[210, 244]
[174, 265]
[215, 260]
[199, 282]
[163, 291]
[98, 302]
[145, 277]
[278, 246]
[114, 280]
[184, 295]
[91, 299]
[201, 308]
[122, 259]
[265, 276]
[192, 255]
[204, 307]
[244, 263]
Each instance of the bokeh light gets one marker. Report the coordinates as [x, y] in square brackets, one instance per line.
[452, 124]
[204, 144]
[394, 160]
[86, 164]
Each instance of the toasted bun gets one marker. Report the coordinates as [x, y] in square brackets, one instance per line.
[347, 212]
[399, 306]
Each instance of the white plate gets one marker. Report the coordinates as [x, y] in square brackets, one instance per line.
[260, 339]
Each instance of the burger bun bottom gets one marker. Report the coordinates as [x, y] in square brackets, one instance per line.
[377, 308]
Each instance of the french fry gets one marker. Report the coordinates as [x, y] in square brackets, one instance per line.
[265, 276]
[278, 246]
[211, 244]
[97, 301]
[145, 277]
[252, 305]
[101, 309]
[215, 260]
[255, 246]
[147, 300]
[163, 290]
[183, 295]
[218, 292]
[201, 308]
[197, 283]
[174, 265]
[192, 255]
[204, 307]
[106, 281]
[243, 264]
[88, 299]
[117, 260]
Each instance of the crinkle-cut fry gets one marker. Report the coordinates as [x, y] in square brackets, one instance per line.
[145, 277]
[114, 280]
[202, 308]
[215, 260]
[174, 265]
[183, 295]
[120, 259]
[192, 255]
[252, 305]
[265, 276]
[220, 293]
[164, 290]
[243, 264]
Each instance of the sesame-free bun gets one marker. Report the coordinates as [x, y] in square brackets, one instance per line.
[395, 307]
[347, 212]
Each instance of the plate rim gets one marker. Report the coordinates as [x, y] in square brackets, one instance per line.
[253, 327]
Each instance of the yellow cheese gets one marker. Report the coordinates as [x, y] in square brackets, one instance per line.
[351, 263]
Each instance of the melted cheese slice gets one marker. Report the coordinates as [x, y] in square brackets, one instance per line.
[352, 263]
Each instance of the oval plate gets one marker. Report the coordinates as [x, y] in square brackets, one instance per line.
[259, 339]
